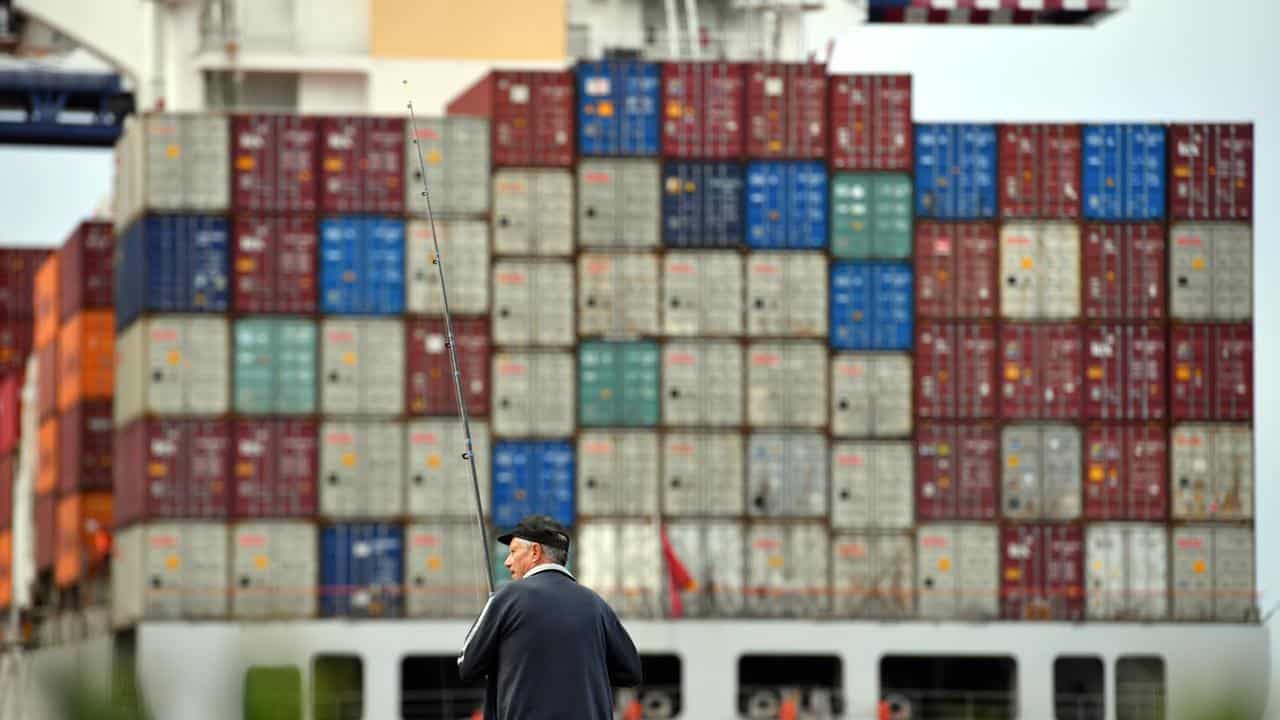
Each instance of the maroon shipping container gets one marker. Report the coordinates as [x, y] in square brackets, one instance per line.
[47, 380]
[46, 519]
[10, 411]
[1125, 372]
[957, 471]
[531, 114]
[86, 443]
[16, 337]
[956, 270]
[1042, 572]
[786, 111]
[1211, 172]
[1126, 472]
[1041, 371]
[86, 270]
[429, 381]
[166, 469]
[702, 110]
[276, 465]
[1212, 377]
[275, 264]
[1124, 275]
[273, 163]
[8, 463]
[17, 280]
[362, 165]
[871, 122]
[1040, 171]
[955, 371]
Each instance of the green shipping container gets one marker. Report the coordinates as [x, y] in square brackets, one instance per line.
[275, 366]
[618, 384]
[871, 216]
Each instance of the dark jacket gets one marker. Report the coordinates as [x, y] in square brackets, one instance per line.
[552, 650]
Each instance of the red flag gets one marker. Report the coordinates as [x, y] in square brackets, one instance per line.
[680, 578]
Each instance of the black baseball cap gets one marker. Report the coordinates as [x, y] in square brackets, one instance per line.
[539, 529]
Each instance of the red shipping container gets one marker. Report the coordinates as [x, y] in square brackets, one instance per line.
[88, 269]
[1212, 372]
[1126, 472]
[17, 283]
[16, 338]
[166, 469]
[362, 165]
[871, 122]
[47, 380]
[274, 265]
[957, 471]
[429, 381]
[87, 445]
[1211, 172]
[955, 371]
[1042, 572]
[276, 466]
[786, 111]
[1040, 171]
[531, 114]
[10, 411]
[702, 110]
[1041, 371]
[1125, 372]
[1124, 275]
[46, 520]
[956, 270]
[273, 163]
[8, 465]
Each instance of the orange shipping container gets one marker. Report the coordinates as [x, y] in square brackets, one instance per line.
[84, 536]
[6, 568]
[47, 465]
[45, 302]
[86, 358]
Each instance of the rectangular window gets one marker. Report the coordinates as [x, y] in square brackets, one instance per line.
[1078, 688]
[273, 693]
[338, 688]
[943, 687]
[1140, 688]
[430, 689]
[789, 686]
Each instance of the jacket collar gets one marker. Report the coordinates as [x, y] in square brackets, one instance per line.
[549, 566]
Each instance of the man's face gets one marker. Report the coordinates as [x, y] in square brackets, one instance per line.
[522, 556]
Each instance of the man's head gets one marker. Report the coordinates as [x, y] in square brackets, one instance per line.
[536, 540]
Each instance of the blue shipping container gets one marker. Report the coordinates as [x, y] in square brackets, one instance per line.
[872, 306]
[786, 205]
[956, 171]
[1124, 172]
[362, 266]
[702, 204]
[618, 108]
[361, 570]
[172, 264]
[532, 478]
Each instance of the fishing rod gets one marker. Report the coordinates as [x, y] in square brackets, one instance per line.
[438, 260]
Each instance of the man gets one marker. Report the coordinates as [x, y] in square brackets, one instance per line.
[551, 648]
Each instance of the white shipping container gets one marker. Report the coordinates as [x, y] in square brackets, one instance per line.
[464, 245]
[437, 476]
[787, 294]
[872, 486]
[1213, 573]
[455, 152]
[702, 293]
[958, 571]
[871, 395]
[619, 205]
[363, 366]
[274, 570]
[169, 162]
[169, 571]
[617, 473]
[622, 562]
[617, 294]
[1040, 271]
[787, 570]
[702, 384]
[873, 575]
[787, 475]
[1042, 472]
[1210, 271]
[1212, 472]
[362, 469]
[173, 366]
[703, 474]
[533, 302]
[787, 384]
[532, 212]
[444, 571]
[1127, 570]
[534, 394]
[714, 555]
